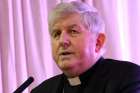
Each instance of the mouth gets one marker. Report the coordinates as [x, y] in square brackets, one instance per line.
[65, 53]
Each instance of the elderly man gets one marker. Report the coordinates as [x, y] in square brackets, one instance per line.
[77, 36]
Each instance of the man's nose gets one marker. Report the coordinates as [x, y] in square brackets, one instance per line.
[64, 40]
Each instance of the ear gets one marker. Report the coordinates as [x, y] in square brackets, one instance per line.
[100, 41]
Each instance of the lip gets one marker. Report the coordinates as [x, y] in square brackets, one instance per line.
[65, 54]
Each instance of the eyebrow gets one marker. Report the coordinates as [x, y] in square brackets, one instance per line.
[70, 26]
[73, 25]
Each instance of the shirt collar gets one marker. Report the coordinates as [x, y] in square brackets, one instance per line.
[81, 79]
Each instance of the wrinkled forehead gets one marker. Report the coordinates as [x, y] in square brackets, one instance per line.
[69, 16]
[67, 21]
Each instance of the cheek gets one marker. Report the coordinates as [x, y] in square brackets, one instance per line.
[82, 49]
[54, 49]
[88, 48]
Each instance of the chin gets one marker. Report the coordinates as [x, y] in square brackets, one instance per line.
[66, 64]
[70, 73]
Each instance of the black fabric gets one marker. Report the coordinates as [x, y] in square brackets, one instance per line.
[106, 76]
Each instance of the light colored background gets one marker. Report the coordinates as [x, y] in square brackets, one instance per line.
[25, 46]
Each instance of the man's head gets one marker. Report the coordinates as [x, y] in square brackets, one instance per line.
[77, 36]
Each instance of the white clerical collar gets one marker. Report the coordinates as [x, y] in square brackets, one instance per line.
[74, 81]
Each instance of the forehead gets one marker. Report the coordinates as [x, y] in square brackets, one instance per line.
[69, 20]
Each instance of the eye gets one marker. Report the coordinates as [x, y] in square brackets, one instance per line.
[56, 34]
[74, 32]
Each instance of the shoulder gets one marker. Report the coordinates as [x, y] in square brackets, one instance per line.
[48, 84]
[122, 75]
[121, 68]
[117, 70]
[127, 73]
[119, 64]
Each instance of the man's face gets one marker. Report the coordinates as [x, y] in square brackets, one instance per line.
[73, 46]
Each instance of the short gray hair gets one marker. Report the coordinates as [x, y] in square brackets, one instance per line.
[89, 15]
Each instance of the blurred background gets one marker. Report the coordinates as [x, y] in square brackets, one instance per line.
[25, 44]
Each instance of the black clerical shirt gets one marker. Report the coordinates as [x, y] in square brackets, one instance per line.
[106, 76]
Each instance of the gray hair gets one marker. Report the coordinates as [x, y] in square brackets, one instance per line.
[89, 15]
